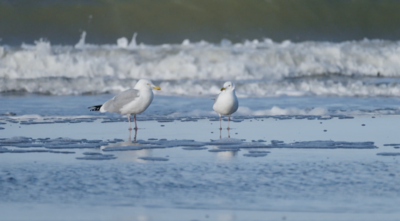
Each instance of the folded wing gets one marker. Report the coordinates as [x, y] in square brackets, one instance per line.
[116, 103]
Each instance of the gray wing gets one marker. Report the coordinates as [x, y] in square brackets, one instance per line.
[123, 98]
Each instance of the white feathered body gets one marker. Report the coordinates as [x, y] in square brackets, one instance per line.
[132, 101]
[226, 103]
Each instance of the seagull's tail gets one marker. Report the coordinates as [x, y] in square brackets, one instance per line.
[95, 108]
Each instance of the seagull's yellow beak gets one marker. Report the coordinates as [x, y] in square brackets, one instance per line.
[156, 88]
[222, 88]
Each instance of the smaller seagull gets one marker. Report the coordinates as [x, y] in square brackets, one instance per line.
[226, 103]
[132, 101]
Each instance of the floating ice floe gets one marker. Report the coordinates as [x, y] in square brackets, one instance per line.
[259, 151]
[3, 150]
[256, 153]
[131, 147]
[258, 141]
[74, 146]
[15, 140]
[6, 150]
[154, 158]
[325, 145]
[194, 148]
[172, 143]
[224, 141]
[221, 145]
[388, 154]
[68, 143]
[391, 144]
[26, 145]
[165, 121]
[97, 156]
[91, 153]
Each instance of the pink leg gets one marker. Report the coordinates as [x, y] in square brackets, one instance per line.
[129, 119]
[134, 117]
[134, 139]
[229, 119]
[220, 125]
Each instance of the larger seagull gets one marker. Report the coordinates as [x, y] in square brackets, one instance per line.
[132, 101]
[226, 103]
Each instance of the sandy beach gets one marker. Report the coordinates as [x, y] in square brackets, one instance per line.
[270, 168]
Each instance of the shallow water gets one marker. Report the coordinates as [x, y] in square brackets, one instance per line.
[311, 177]
[39, 106]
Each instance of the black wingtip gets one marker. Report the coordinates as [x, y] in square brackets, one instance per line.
[95, 108]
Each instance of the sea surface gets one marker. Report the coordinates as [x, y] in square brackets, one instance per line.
[271, 78]
[285, 57]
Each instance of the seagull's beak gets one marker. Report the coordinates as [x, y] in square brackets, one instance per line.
[156, 88]
[222, 88]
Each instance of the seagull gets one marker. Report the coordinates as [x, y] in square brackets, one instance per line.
[226, 103]
[132, 101]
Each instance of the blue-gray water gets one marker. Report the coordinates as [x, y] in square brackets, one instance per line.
[176, 106]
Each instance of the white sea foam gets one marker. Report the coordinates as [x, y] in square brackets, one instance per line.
[260, 68]
[282, 111]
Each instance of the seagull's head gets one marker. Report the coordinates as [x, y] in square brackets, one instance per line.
[146, 84]
[228, 86]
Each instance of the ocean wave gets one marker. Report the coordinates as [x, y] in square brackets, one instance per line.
[196, 88]
[259, 68]
[202, 60]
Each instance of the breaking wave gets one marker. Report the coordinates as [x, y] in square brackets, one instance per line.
[259, 68]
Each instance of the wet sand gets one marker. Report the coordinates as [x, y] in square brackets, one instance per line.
[271, 168]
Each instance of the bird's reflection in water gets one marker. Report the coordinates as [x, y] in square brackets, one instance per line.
[220, 133]
[134, 138]
[225, 155]
[130, 155]
[139, 153]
